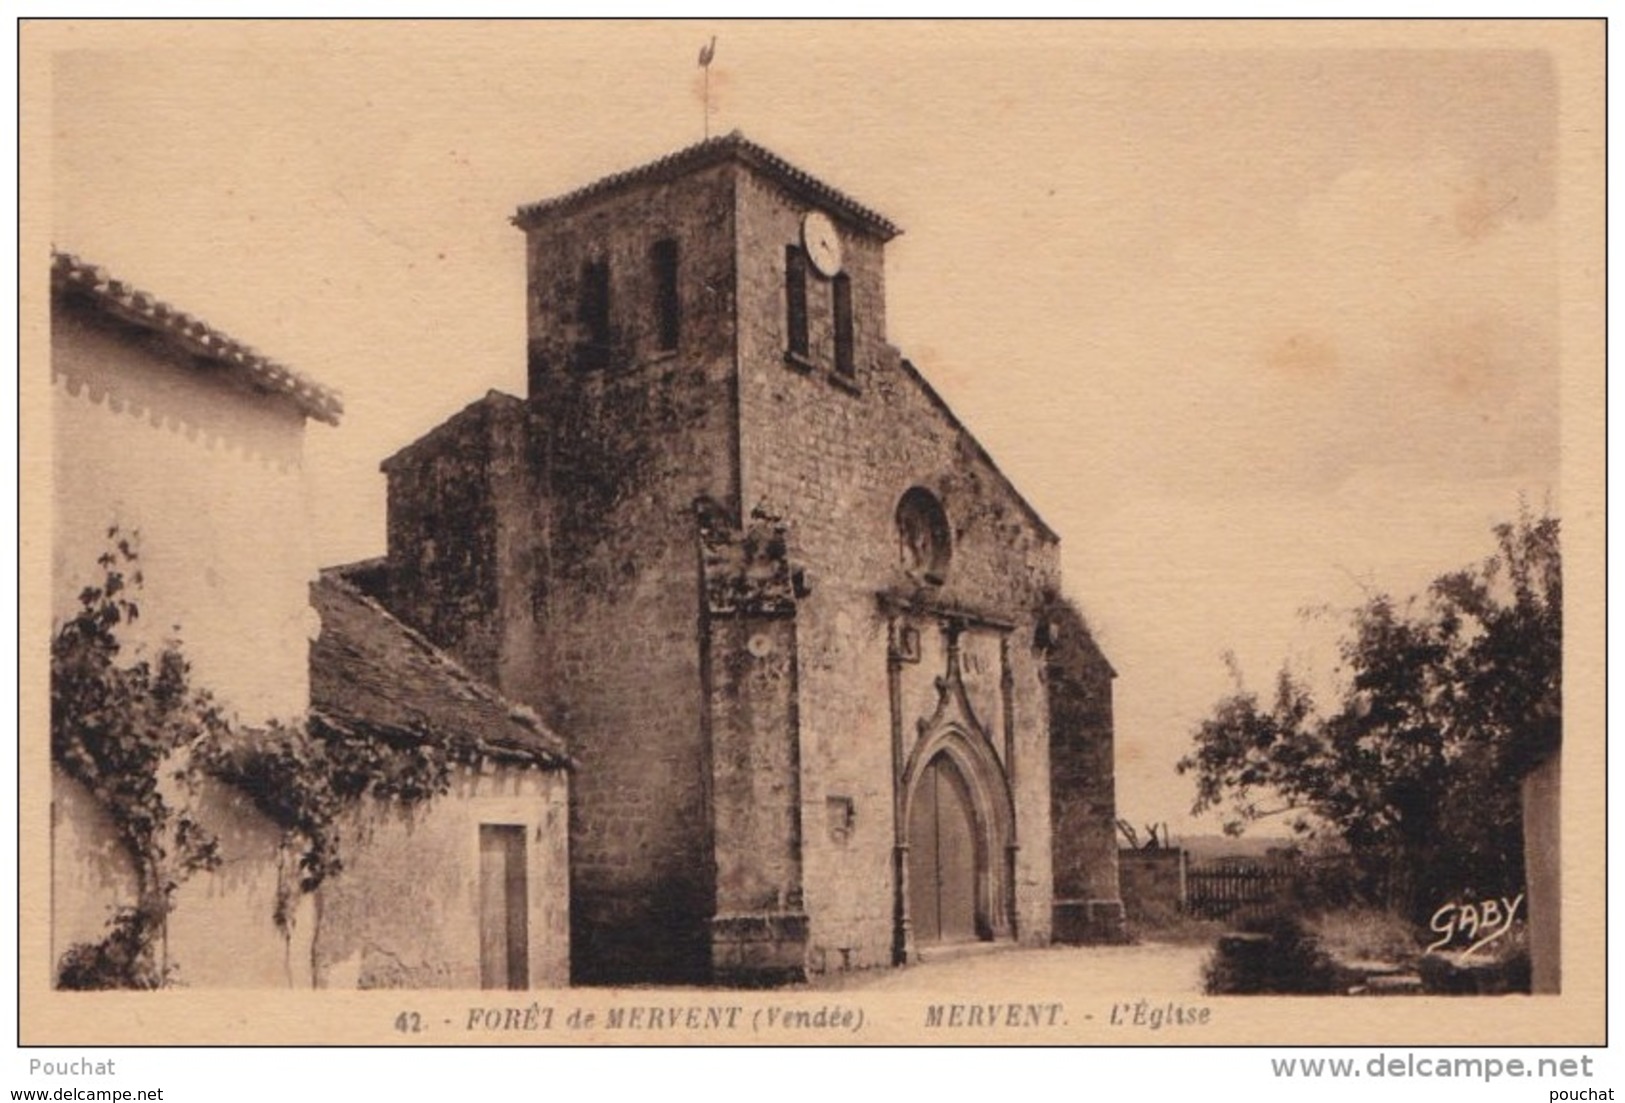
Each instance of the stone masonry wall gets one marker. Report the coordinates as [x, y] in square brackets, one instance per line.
[631, 440]
[1152, 884]
[1083, 788]
[442, 538]
[570, 557]
[759, 930]
[834, 459]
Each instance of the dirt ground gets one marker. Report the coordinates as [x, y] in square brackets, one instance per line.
[1145, 970]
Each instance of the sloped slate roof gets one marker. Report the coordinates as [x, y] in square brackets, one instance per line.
[732, 146]
[75, 279]
[369, 672]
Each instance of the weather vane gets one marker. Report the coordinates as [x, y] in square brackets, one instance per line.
[707, 52]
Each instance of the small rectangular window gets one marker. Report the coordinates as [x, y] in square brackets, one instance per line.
[795, 301]
[536, 367]
[843, 326]
[667, 304]
[593, 312]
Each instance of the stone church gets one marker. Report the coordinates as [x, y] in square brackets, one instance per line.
[828, 708]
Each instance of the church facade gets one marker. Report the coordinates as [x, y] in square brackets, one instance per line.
[827, 706]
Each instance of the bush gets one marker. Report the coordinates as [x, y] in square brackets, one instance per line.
[122, 959]
[1158, 921]
[1498, 968]
[1368, 934]
[1275, 954]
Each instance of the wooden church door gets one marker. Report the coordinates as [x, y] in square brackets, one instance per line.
[942, 856]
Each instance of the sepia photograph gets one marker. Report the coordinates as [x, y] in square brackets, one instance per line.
[811, 532]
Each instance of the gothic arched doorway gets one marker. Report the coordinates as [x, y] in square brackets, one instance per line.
[942, 856]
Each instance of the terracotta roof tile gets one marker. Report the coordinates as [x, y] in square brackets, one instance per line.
[71, 276]
[734, 146]
[371, 673]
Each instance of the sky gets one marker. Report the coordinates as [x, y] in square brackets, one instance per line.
[1258, 322]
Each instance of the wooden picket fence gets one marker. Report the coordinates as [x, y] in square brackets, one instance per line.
[1217, 890]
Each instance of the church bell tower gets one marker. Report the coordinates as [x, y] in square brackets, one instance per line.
[666, 597]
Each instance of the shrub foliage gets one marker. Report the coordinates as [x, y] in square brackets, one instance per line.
[1446, 701]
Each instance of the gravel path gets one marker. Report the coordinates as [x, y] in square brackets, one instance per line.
[1148, 969]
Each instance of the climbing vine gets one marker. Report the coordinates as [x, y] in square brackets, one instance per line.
[133, 730]
[305, 776]
[124, 724]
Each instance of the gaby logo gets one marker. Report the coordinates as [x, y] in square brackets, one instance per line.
[1478, 923]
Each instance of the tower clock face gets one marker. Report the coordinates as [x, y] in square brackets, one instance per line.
[822, 242]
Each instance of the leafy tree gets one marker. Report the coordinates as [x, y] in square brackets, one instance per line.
[1446, 700]
[124, 726]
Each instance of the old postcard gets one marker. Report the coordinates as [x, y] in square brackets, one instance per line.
[812, 533]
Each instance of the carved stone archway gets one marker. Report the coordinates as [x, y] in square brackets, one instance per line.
[953, 746]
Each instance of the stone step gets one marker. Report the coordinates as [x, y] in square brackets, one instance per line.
[1391, 984]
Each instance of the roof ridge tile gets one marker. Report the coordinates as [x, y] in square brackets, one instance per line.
[142, 308]
[734, 144]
